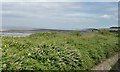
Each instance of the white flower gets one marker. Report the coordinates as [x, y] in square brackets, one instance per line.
[4, 65]
[29, 54]
[5, 45]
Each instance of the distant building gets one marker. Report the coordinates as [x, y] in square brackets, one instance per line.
[93, 30]
[114, 29]
[90, 30]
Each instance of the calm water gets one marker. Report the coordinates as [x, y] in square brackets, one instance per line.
[15, 34]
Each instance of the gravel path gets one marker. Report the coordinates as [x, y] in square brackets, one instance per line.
[107, 64]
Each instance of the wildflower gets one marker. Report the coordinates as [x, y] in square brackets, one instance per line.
[5, 45]
[29, 54]
[4, 65]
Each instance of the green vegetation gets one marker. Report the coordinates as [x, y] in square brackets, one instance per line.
[58, 51]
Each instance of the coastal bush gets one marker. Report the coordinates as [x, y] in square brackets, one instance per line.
[105, 32]
[57, 51]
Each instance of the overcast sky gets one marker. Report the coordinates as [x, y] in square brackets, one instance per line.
[59, 0]
[60, 15]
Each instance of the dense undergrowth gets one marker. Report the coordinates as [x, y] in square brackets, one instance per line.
[58, 51]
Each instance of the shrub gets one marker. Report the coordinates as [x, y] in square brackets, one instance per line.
[104, 32]
[57, 51]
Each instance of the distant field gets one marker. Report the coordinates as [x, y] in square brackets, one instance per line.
[58, 51]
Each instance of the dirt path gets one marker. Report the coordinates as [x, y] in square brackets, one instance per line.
[107, 64]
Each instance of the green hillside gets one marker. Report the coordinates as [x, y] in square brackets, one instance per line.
[58, 51]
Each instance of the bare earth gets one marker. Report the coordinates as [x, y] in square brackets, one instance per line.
[107, 64]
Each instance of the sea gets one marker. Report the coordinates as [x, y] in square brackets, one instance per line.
[14, 34]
